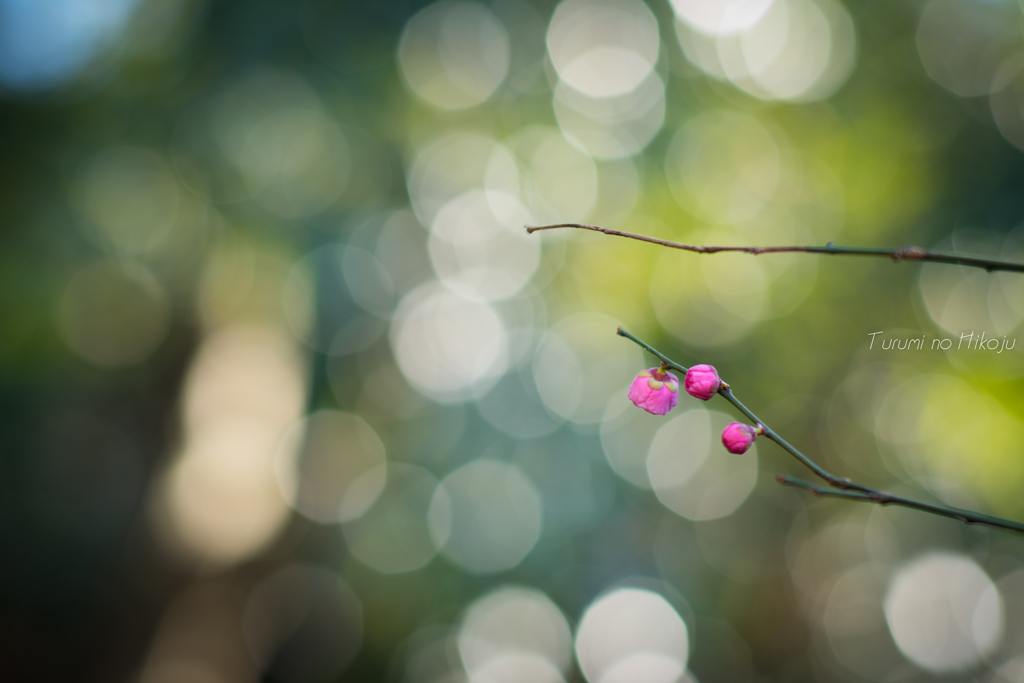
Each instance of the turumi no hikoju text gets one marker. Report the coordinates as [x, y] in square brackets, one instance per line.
[968, 341]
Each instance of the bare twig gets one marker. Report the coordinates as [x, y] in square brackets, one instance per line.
[908, 253]
[838, 487]
[884, 498]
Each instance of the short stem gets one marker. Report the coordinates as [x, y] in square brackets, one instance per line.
[665, 360]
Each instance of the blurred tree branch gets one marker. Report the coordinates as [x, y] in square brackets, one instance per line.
[907, 253]
[839, 487]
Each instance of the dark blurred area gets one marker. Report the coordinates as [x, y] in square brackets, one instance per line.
[289, 395]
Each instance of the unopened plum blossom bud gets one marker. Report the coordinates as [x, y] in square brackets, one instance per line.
[655, 390]
[702, 382]
[737, 437]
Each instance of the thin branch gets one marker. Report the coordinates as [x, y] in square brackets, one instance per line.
[908, 253]
[839, 487]
[885, 498]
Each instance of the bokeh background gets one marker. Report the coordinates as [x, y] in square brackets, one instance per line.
[289, 395]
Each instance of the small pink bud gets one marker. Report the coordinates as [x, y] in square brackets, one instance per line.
[737, 437]
[655, 390]
[702, 382]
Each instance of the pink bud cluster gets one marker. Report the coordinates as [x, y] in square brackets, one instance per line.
[656, 390]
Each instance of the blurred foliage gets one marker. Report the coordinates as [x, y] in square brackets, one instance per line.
[223, 216]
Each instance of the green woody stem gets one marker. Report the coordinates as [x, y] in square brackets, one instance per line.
[908, 253]
[839, 487]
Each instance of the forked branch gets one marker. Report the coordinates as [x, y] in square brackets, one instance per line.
[838, 487]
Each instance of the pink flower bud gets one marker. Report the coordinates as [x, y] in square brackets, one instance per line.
[655, 390]
[737, 437]
[702, 382]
